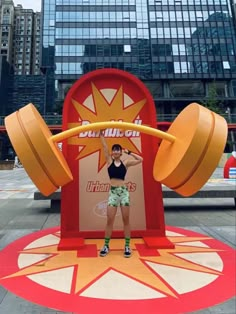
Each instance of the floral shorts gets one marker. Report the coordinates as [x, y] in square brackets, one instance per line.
[118, 195]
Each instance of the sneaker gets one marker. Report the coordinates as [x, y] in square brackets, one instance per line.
[127, 252]
[104, 251]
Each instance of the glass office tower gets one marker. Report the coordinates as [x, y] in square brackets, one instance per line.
[177, 47]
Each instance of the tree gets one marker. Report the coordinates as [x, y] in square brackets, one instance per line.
[212, 102]
[60, 102]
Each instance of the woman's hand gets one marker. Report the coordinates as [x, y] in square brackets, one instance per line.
[126, 151]
[102, 132]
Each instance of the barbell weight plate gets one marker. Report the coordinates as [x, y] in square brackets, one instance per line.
[210, 159]
[48, 154]
[27, 157]
[41, 158]
[176, 162]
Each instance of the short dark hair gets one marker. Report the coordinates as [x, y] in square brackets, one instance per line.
[116, 147]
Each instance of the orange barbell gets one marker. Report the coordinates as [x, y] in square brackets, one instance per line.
[187, 156]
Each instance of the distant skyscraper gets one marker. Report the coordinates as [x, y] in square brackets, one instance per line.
[20, 37]
[6, 28]
[22, 80]
[36, 43]
[26, 38]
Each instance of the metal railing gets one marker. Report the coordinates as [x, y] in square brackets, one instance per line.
[57, 119]
[170, 117]
[49, 119]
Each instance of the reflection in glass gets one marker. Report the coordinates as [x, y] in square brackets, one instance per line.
[217, 48]
[152, 39]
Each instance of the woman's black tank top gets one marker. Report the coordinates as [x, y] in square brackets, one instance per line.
[117, 172]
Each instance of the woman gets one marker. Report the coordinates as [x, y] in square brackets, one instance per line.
[118, 194]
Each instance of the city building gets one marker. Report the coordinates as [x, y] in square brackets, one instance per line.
[181, 49]
[36, 44]
[20, 49]
[17, 91]
[6, 28]
[25, 89]
[26, 41]
[5, 71]
[20, 37]
[5, 82]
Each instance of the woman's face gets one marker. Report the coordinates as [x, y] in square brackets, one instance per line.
[116, 153]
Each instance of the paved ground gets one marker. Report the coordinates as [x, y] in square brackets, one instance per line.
[21, 215]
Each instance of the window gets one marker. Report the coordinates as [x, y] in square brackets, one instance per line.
[226, 65]
[163, 67]
[219, 87]
[127, 48]
[161, 50]
[186, 88]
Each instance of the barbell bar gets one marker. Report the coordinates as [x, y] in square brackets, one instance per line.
[112, 124]
[187, 156]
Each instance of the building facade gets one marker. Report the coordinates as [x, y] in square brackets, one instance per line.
[25, 89]
[26, 41]
[20, 53]
[6, 28]
[178, 48]
[16, 91]
[5, 82]
[20, 37]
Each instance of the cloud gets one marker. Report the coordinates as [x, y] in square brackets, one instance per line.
[29, 4]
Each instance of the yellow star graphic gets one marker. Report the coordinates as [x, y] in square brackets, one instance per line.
[88, 269]
[115, 110]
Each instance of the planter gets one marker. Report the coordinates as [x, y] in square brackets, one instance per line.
[6, 164]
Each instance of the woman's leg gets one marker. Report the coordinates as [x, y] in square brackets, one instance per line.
[125, 210]
[125, 216]
[111, 214]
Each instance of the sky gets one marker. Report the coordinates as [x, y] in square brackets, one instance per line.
[29, 4]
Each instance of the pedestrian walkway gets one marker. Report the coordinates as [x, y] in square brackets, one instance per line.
[16, 184]
[193, 224]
